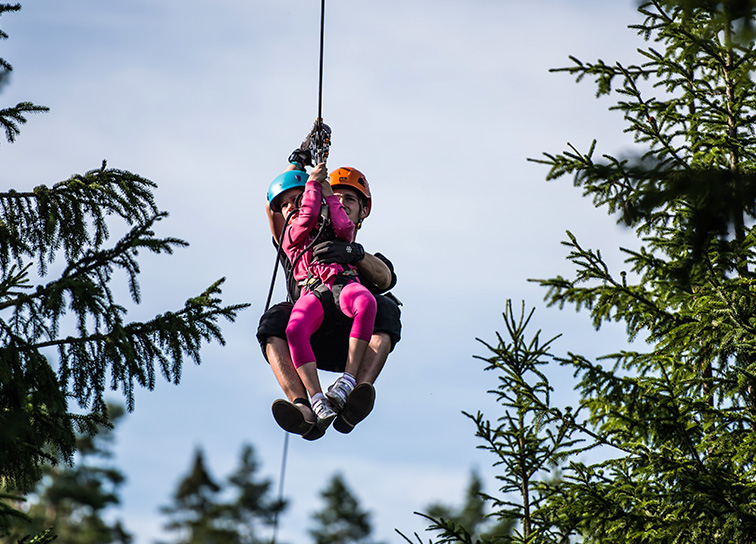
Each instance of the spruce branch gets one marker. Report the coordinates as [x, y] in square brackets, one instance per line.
[71, 215]
[11, 118]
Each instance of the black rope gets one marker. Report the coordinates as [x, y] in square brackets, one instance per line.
[278, 258]
[280, 487]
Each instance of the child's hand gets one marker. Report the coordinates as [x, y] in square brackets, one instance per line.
[319, 173]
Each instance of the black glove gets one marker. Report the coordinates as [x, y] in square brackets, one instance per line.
[301, 156]
[338, 251]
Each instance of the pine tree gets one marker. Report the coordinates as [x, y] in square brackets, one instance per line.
[11, 118]
[472, 517]
[530, 442]
[341, 520]
[196, 507]
[253, 506]
[679, 417]
[64, 336]
[204, 511]
[673, 423]
[72, 500]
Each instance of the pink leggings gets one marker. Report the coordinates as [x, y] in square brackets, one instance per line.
[307, 315]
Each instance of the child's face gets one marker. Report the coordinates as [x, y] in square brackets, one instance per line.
[289, 200]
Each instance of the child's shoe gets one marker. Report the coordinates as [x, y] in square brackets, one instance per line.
[338, 393]
[324, 412]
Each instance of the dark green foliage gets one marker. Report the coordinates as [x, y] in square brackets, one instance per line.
[670, 429]
[473, 515]
[11, 118]
[530, 441]
[64, 337]
[205, 511]
[341, 520]
[72, 500]
[681, 415]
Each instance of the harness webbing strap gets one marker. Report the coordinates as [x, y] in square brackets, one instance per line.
[317, 287]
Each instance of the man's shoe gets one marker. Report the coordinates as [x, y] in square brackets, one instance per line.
[293, 418]
[314, 433]
[325, 414]
[358, 405]
[338, 393]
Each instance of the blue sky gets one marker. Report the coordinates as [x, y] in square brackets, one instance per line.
[439, 102]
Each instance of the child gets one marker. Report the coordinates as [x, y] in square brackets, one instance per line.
[349, 295]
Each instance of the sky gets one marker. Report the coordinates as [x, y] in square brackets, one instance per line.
[439, 102]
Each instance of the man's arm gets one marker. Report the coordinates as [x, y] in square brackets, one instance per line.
[372, 268]
[376, 272]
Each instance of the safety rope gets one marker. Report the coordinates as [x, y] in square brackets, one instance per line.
[321, 155]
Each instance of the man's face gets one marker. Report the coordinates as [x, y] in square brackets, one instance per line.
[289, 200]
[352, 202]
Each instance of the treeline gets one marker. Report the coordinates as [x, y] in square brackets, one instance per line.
[77, 503]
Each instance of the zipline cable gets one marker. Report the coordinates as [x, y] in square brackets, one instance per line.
[321, 157]
[320, 154]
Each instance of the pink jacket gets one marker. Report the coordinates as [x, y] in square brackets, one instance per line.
[300, 233]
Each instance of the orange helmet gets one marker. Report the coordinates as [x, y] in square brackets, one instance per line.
[351, 177]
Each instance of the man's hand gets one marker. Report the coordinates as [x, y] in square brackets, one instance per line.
[339, 251]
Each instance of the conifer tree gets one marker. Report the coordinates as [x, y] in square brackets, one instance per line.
[473, 515]
[196, 507]
[253, 506]
[72, 500]
[674, 422]
[341, 520]
[204, 510]
[530, 443]
[64, 337]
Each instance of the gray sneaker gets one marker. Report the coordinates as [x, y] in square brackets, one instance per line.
[338, 393]
[325, 413]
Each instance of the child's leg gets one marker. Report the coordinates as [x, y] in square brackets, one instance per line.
[359, 303]
[306, 317]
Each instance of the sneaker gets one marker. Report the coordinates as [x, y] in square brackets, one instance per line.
[293, 418]
[338, 393]
[325, 414]
[358, 406]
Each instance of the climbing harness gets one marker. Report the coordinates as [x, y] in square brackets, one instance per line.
[317, 287]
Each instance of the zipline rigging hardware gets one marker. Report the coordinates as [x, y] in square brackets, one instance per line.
[319, 151]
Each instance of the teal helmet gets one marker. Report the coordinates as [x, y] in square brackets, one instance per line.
[284, 182]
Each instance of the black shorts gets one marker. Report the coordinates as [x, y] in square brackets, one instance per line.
[330, 342]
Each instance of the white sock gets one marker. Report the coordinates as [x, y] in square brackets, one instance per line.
[349, 378]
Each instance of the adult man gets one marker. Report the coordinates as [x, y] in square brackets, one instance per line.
[331, 340]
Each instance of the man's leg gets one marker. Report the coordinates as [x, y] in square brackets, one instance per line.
[375, 357]
[277, 351]
[294, 417]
